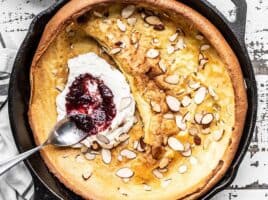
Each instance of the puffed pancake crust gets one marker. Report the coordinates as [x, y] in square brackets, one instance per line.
[187, 84]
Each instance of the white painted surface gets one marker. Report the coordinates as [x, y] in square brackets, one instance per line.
[252, 179]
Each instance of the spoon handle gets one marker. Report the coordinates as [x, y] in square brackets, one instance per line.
[11, 162]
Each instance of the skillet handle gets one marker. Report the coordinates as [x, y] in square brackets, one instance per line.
[239, 25]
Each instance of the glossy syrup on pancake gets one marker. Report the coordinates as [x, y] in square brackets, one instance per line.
[90, 97]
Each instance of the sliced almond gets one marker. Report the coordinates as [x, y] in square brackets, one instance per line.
[155, 106]
[168, 116]
[115, 51]
[147, 187]
[204, 47]
[180, 123]
[152, 53]
[120, 158]
[180, 44]
[128, 154]
[135, 144]
[124, 103]
[194, 85]
[172, 79]
[158, 174]
[217, 135]
[175, 144]
[198, 118]
[97, 14]
[199, 37]
[141, 145]
[207, 118]
[122, 27]
[127, 11]
[170, 49]
[123, 137]
[173, 37]
[87, 174]
[153, 20]
[165, 183]
[162, 65]
[187, 150]
[124, 172]
[173, 103]
[90, 156]
[106, 156]
[200, 95]
[102, 138]
[186, 101]
[164, 162]
[132, 21]
[201, 56]
[183, 169]
[187, 116]
[211, 91]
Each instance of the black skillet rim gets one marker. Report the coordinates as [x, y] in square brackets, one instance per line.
[234, 38]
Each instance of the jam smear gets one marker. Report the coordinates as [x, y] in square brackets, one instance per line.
[89, 103]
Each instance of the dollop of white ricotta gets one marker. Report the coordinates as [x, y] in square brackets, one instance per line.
[123, 99]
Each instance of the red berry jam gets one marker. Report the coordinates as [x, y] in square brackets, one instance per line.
[90, 104]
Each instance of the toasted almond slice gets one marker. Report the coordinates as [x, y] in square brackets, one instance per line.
[183, 169]
[132, 21]
[121, 25]
[124, 103]
[128, 154]
[168, 116]
[180, 44]
[123, 137]
[153, 20]
[158, 174]
[203, 62]
[135, 144]
[147, 187]
[90, 156]
[87, 174]
[194, 85]
[186, 101]
[200, 95]
[172, 79]
[119, 158]
[102, 138]
[187, 150]
[201, 56]
[155, 106]
[217, 135]
[180, 123]
[173, 37]
[124, 172]
[187, 117]
[106, 156]
[175, 144]
[127, 11]
[198, 118]
[193, 160]
[115, 50]
[199, 37]
[173, 103]
[207, 118]
[152, 53]
[97, 14]
[170, 49]
[162, 65]
[211, 91]
[193, 131]
[204, 47]
[164, 162]
[165, 183]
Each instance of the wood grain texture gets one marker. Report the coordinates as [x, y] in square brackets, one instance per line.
[252, 179]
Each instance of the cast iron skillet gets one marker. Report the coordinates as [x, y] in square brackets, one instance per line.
[19, 91]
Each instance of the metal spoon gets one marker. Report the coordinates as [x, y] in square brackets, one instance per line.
[63, 134]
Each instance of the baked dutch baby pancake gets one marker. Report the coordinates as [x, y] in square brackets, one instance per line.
[160, 91]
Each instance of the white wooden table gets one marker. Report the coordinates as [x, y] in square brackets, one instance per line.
[252, 179]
